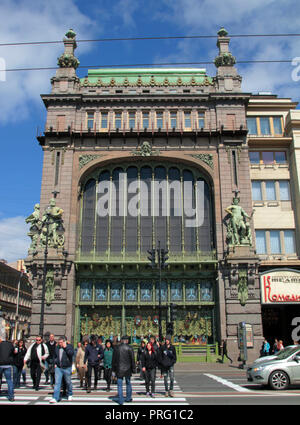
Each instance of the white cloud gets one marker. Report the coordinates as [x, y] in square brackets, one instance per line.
[14, 242]
[34, 20]
[205, 17]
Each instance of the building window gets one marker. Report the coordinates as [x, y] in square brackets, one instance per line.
[256, 190]
[267, 157]
[131, 119]
[191, 291]
[265, 126]
[131, 291]
[187, 120]
[284, 190]
[173, 119]
[118, 120]
[145, 119]
[277, 125]
[104, 120]
[116, 291]
[100, 291]
[275, 242]
[280, 157]
[159, 119]
[270, 190]
[261, 246]
[252, 126]
[146, 291]
[289, 242]
[86, 291]
[254, 157]
[206, 292]
[200, 120]
[90, 120]
[176, 291]
[163, 292]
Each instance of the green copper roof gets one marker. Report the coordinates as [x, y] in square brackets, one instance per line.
[146, 77]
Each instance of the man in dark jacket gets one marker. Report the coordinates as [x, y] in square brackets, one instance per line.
[167, 358]
[49, 371]
[63, 359]
[123, 365]
[6, 362]
[92, 356]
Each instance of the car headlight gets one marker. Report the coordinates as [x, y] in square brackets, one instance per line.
[257, 369]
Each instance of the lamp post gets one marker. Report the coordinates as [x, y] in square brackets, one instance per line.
[159, 295]
[17, 308]
[46, 223]
[59, 230]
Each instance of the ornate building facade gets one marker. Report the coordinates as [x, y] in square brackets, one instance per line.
[125, 150]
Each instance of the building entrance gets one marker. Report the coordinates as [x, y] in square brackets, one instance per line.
[277, 322]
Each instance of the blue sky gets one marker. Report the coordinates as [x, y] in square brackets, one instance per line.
[22, 111]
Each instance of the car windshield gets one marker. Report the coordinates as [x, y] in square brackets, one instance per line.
[287, 352]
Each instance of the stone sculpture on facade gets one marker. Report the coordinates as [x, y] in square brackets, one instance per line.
[238, 228]
[51, 222]
[49, 229]
[35, 226]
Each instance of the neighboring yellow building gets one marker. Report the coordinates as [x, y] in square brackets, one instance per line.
[274, 142]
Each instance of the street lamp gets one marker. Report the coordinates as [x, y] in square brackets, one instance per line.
[47, 221]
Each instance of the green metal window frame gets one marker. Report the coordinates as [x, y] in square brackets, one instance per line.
[139, 255]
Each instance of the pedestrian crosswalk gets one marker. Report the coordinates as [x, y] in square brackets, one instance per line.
[28, 396]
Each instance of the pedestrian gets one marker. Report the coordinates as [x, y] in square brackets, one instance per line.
[50, 370]
[140, 351]
[6, 363]
[275, 346]
[123, 365]
[265, 351]
[154, 343]
[19, 355]
[37, 353]
[92, 357]
[280, 345]
[101, 368]
[224, 351]
[81, 369]
[167, 358]
[63, 361]
[107, 363]
[149, 365]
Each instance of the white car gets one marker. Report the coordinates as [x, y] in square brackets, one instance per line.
[278, 371]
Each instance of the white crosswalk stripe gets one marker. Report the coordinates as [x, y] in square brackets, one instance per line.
[26, 395]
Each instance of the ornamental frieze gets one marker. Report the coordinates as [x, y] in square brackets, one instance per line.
[85, 159]
[205, 157]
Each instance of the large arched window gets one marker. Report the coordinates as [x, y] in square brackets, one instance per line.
[129, 208]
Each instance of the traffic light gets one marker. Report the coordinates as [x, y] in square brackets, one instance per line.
[173, 312]
[151, 257]
[170, 328]
[163, 258]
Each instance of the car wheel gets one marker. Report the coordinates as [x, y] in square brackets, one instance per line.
[279, 380]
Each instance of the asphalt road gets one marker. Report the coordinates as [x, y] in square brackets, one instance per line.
[225, 385]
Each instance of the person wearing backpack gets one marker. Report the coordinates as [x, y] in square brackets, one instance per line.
[37, 353]
[167, 359]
